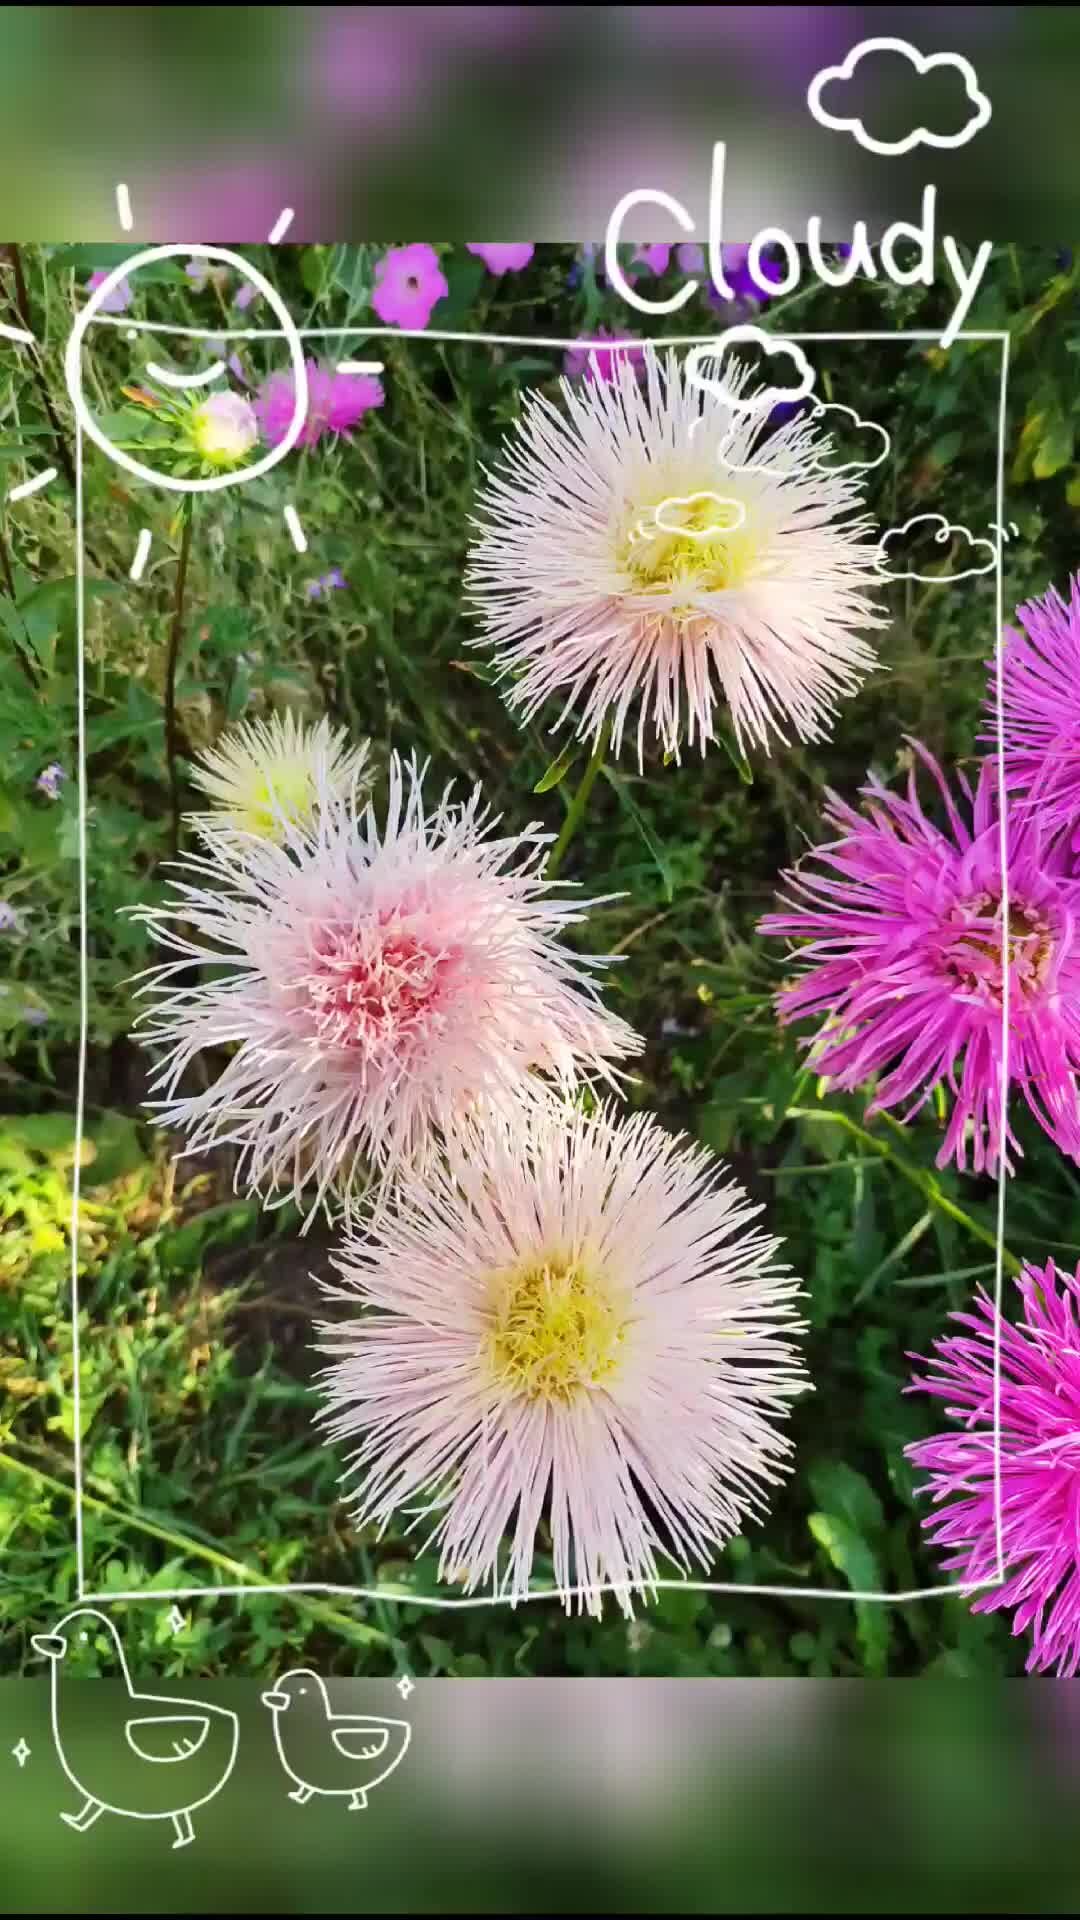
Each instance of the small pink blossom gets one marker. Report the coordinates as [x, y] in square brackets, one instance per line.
[593, 360]
[119, 300]
[499, 258]
[409, 283]
[337, 402]
[655, 257]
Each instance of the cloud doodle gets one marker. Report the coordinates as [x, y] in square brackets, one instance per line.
[836, 77]
[716, 352]
[903, 552]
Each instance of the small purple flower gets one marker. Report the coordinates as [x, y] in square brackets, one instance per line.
[245, 295]
[690, 257]
[599, 357]
[198, 272]
[1038, 1407]
[119, 300]
[9, 919]
[692, 260]
[900, 922]
[34, 1016]
[744, 284]
[50, 780]
[326, 583]
[218, 347]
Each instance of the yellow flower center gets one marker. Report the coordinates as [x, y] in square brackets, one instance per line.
[557, 1329]
[974, 957]
[696, 544]
[267, 801]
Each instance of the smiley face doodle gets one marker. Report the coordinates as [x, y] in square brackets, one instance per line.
[186, 383]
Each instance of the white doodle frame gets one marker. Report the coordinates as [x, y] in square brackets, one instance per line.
[449, 1603]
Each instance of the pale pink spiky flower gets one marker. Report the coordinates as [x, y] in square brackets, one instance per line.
[569, 1319]
[646, 543]
[374, 981]
[265, 773]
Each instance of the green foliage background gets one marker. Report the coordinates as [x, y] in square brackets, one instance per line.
[200, 1462]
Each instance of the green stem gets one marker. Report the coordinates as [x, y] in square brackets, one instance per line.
[236, 1569]
[176, 634]
[580, 801]
[925, 1182]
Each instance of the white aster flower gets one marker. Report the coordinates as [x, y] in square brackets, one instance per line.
[752, 586]
[567, 1318]
[374, 983]
[264, 776]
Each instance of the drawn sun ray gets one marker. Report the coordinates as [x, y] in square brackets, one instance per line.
[142, 554]
[27, 487]
[185, 381]
[296, 531]
[281, 225]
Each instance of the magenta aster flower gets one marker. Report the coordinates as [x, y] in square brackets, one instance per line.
[573, 1314]
[499, 258]
[375, 981]
[902, 925]
[1040, 695]
[409, 282]
[119, 300]
[1040, 1461]
[337, 402]
[600, 355]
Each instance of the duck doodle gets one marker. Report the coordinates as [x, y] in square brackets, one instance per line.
[159, 1758]
[331, 1753]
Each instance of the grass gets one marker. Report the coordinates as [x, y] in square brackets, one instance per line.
[201, 1464]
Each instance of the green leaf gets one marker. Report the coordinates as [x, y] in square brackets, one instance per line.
[944, 451]
[851, 1556]
[117, 1149]
[463, 277]
[1030, 439]
[845, 1493]
[1055, 449]
[737, 758]
[559, 768]
[352, 272]
[313, 269]
[45, 1133]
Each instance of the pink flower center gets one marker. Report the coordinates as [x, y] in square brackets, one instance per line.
[973, 955]
[376, 989]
